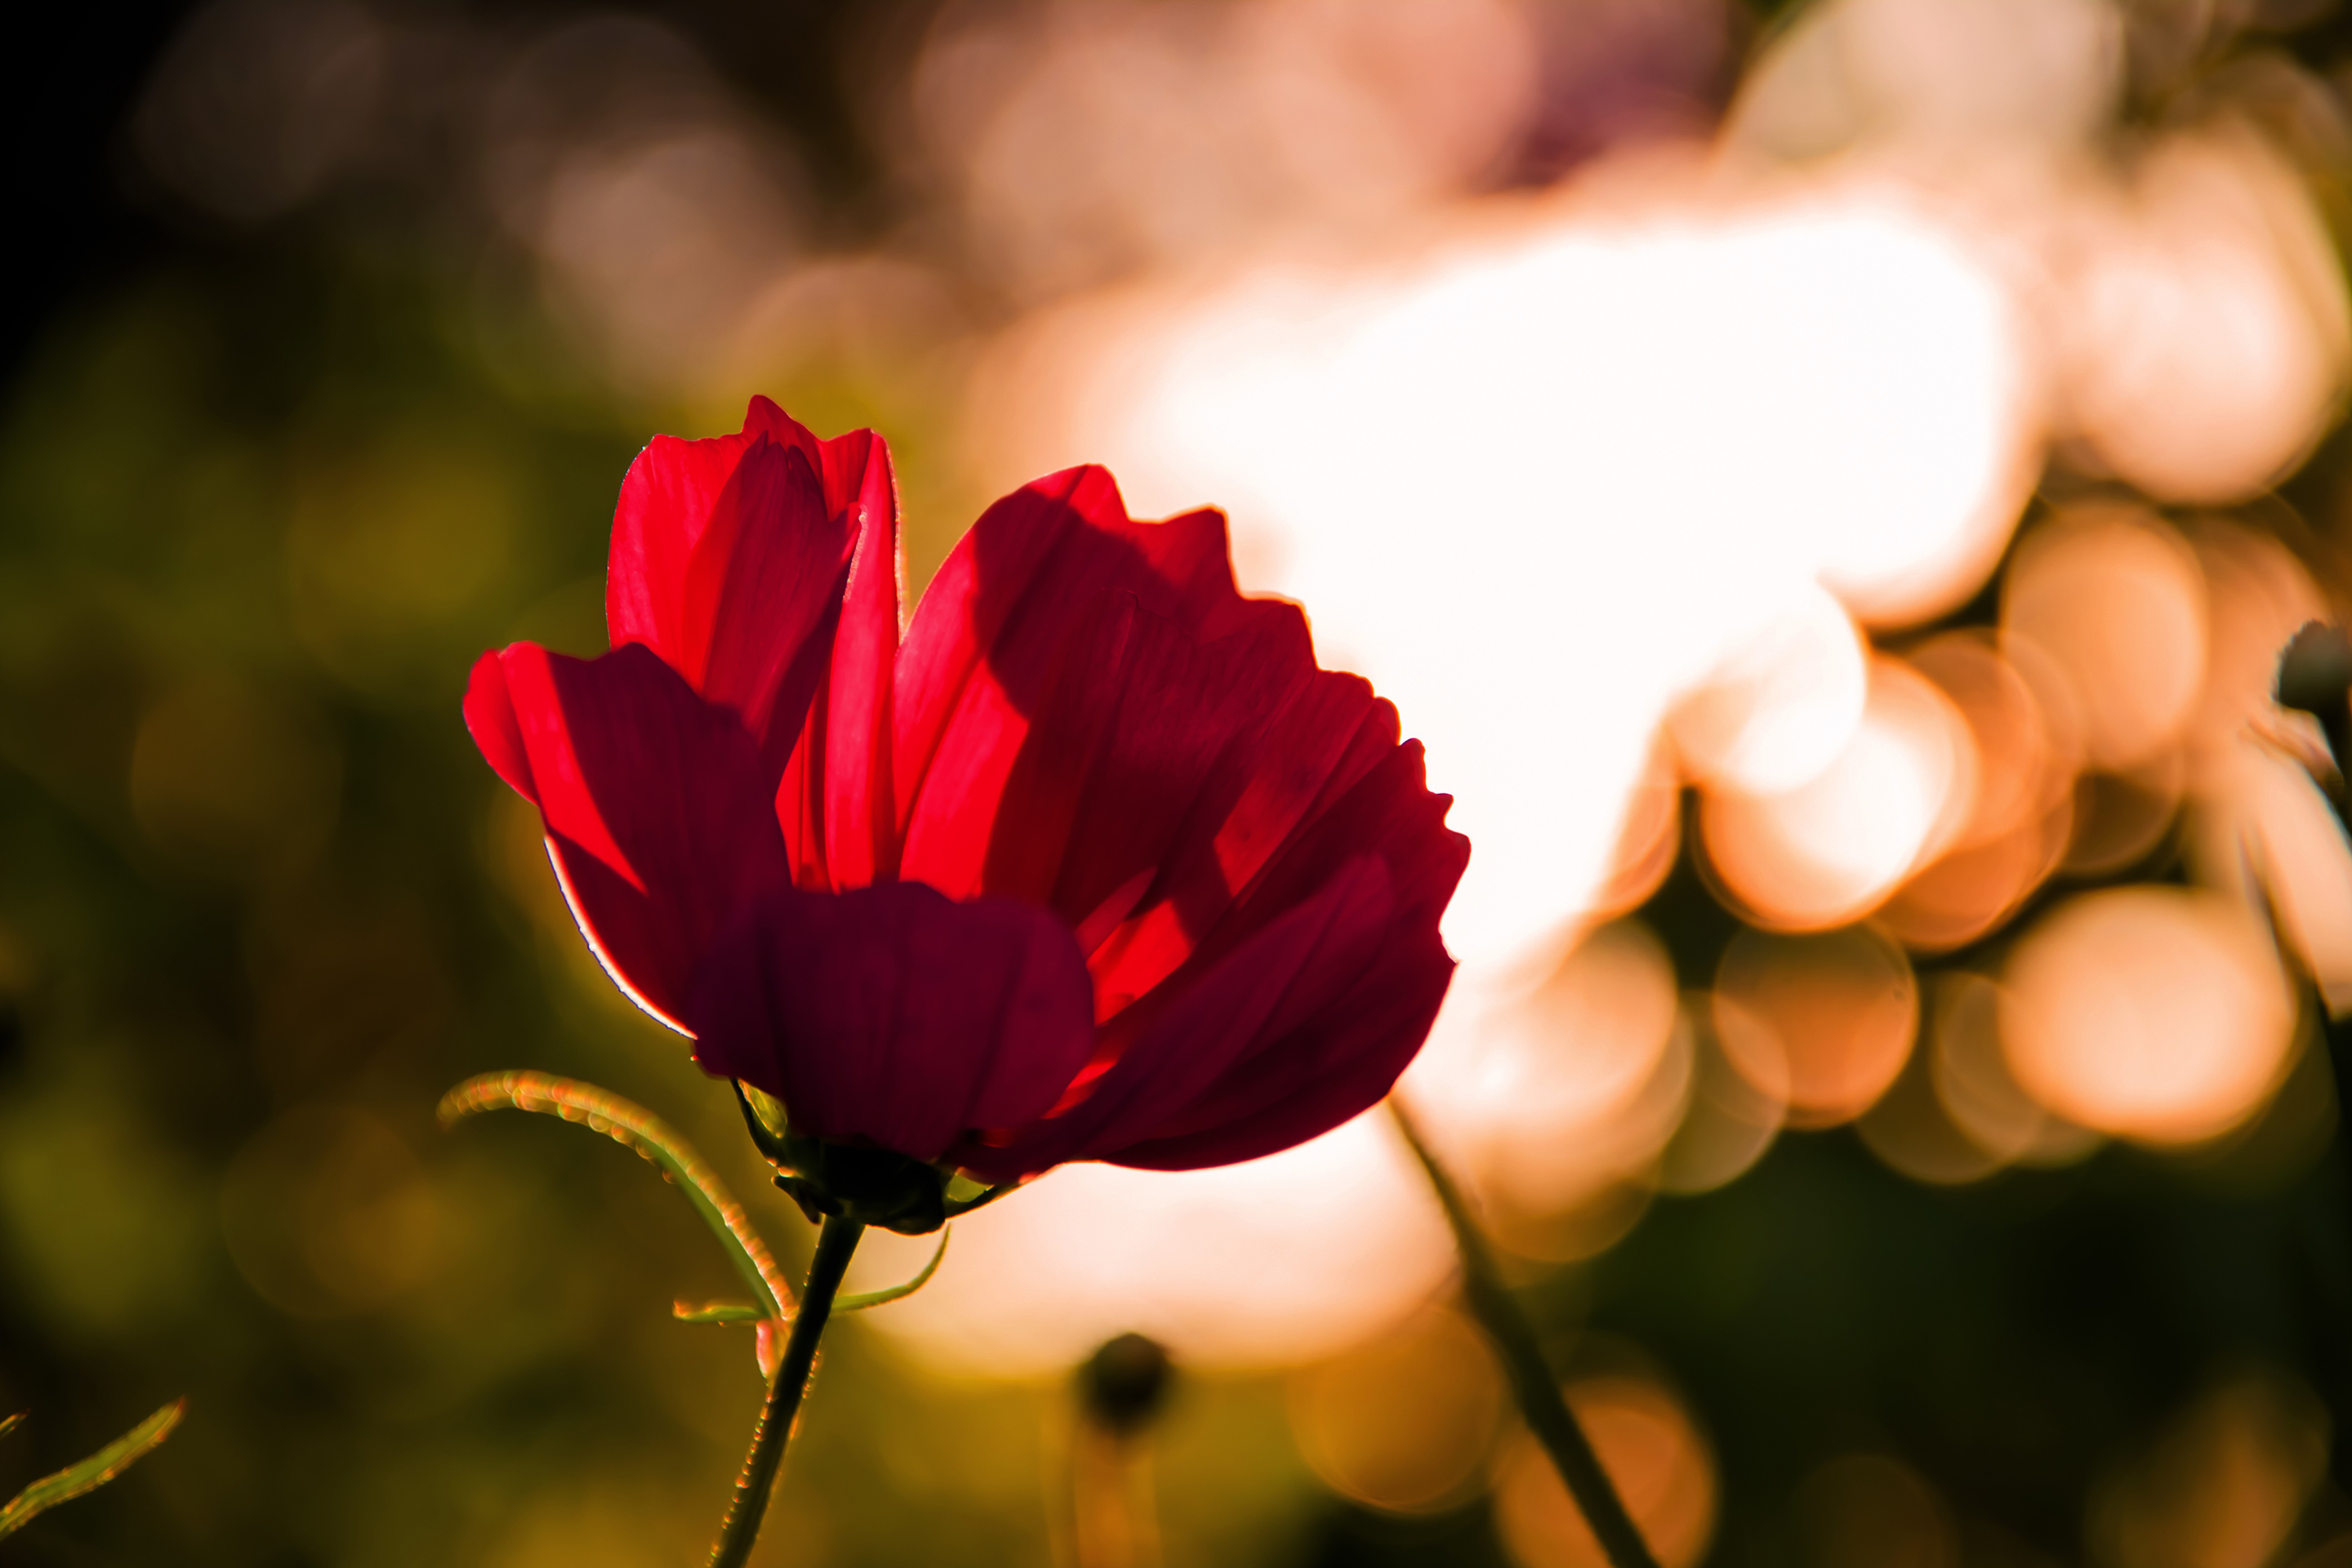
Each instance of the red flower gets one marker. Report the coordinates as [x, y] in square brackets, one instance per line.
[1093, 863]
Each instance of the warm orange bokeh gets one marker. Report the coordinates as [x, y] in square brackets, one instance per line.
[1405, 1422]
[1736, 1110]
[2114, 597]
[2223, 1485]
[1573, 1088]
[2021, 811]
[1828, 851]
[1831, 1015]
[1654, 1453]
[2151, 1013]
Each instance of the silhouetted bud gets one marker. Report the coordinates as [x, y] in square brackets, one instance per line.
[2315, 671]
[1124, 1383]
[2315, 676]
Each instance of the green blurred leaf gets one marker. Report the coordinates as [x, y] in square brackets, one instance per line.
[91, 1473]
[634, 1128]
[859, 1302]
[9, 1423]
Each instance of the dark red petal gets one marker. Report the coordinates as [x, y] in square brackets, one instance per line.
[1141, 777]
[1265, 992]
[1337, 1065]
[861, 831]
[1198, 1071]
[1270, 783]
[1349, 1054]
[893, 1016]
[656, 810]
[762, 418]
[1353, 1049]
[1035, 566]
[1074, 747]
[667, 503]
[834, 799]
[491, 720]
[727, 558]
[1388, 812]
[763, 595]
[855, 469]
[1179, 728]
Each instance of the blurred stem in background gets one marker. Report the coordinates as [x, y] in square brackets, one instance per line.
[834, 1243]
[1533, 1385]
[1112, 1518]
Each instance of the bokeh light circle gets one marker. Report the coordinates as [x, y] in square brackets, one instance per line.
[2114, 597]
[1828, 851]
[1652, 1451]
[2151, 1013]
[1831, 1014]
[1402, 1424]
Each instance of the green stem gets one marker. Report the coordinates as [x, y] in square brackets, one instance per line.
[1532, 1382]
[834, 1242]
[634, 1127]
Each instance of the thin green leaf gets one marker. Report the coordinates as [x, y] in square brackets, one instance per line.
[744, 1312]
[718, 1312]
[91, 1473]
[9, 1423]
[634, 1128]
[859, 1303]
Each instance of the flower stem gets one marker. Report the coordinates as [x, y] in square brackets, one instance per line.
[1111, 1498]
[834, 1242]
[1532, 1383]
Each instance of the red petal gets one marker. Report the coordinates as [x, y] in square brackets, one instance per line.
[729, 555]
[893, 1015]
[834, 800]
[491, 720]
[1077, 693]
[1339, 1064]
[1140, 778]
[1315, 734]
[1143, 722]
[1251, 1005]
[1388, 811]
[946, 839]
[1294, 1012]
[657, 811]
[861, 831]
[1035, 566]
[1347, 1056]
[667, 502]
[764, 592]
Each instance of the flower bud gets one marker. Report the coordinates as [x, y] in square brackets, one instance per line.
[1124, 1384]
[2315, 676]
[2315, 671]
[851, 1181]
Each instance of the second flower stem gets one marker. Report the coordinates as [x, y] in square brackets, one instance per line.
[834, 1242]
[1537, 1390]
